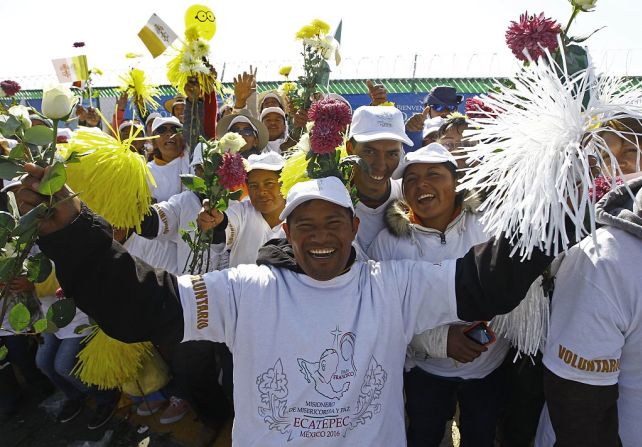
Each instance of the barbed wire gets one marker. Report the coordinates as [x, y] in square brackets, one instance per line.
[623, 62]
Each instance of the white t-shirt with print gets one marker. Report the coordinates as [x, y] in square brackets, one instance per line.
[318, 362]
[167, 177]
[246, 232]
[595, 334]
[427, 244]
[158, 254]
[371, 220]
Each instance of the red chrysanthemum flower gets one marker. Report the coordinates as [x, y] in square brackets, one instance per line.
[62, 139]
[10, 88]
[331, 118]
[79, 44]
[533, 33]
[231, 172]
[477, 108]
[601, 186]
[331, 109]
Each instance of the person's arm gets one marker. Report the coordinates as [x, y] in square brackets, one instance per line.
[581, 414]
[489, 281]
[448, 341]
[129, 300]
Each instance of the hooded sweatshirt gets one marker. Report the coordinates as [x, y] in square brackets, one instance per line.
[403, 239]
[595, 335]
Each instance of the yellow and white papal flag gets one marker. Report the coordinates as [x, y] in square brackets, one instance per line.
[157, 36]
[71, 69]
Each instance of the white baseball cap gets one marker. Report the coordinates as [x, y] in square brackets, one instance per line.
[371, 123]
[267, 95]
[159, 121]
[128, 123]
[433, 153]
[269, 161]
[432, 125]
[152, 116]
[330, 189]
[268, 110]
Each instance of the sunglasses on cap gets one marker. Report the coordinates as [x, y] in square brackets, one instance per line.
[166, 128]
[245, 132]
[441, 107]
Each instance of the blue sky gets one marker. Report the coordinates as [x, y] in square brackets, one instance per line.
[451, 38]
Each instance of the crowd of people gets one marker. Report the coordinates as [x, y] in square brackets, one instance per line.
[321, 321]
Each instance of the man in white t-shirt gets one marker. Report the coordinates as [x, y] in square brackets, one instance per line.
[318, 338]
[593, 356]
[376, 135]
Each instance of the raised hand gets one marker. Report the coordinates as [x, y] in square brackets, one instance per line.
[244, 86]
[27, 198]
[377, 92]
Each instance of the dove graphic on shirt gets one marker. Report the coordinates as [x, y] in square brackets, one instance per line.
[322, 372]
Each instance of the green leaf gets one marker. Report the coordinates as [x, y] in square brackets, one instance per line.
[53, 180]
[3, 352]
[221, 204]
[9, 125]
[19, 317]
[62, 312]
[75, 157]
[583, 38]
[38, 268]
[194, 183]
[51, 327]
[236, 195]
[13, 206]
[7, 221]
[81, 328]
[28, 224]
[9, 169]
[40, 325]
[18, 152]
[39, 135]
[7, 267]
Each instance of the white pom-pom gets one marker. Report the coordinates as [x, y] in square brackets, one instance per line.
[535, 153]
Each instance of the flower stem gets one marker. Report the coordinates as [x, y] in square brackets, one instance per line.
[576, 11]
[52, 148]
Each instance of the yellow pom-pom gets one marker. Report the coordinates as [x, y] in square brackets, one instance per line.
[295, 169]
[108, 363]
[139, 89]
[112, 180]
[293, 172]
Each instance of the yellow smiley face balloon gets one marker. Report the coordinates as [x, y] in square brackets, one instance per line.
[203, 19]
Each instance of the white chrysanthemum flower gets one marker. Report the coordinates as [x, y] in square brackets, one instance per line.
[535, 155]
